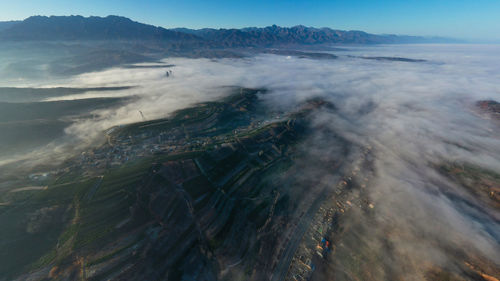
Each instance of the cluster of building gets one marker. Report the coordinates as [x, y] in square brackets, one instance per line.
[120, 150]
[319, 240]
[315, 245]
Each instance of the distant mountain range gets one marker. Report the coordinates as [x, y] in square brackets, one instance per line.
[87, 28]
[70, 28]
[7, 24]
[276, 35]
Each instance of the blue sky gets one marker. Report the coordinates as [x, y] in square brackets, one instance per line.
[472, 19]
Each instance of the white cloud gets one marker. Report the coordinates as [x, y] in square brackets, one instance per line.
[410, 113]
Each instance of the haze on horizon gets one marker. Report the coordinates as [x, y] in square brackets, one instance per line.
[475, 21]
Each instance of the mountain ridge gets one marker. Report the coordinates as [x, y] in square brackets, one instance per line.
[301, 34]
[88, 28]
[69, 28]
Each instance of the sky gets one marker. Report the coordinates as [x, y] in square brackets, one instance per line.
[472, 19]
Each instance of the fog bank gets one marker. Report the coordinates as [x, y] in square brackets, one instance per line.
[414, 116]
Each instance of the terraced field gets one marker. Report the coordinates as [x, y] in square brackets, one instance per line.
[220, 197]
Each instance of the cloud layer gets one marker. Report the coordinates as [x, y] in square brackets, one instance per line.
[413, 115]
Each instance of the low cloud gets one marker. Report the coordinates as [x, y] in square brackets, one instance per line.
[413, 115]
